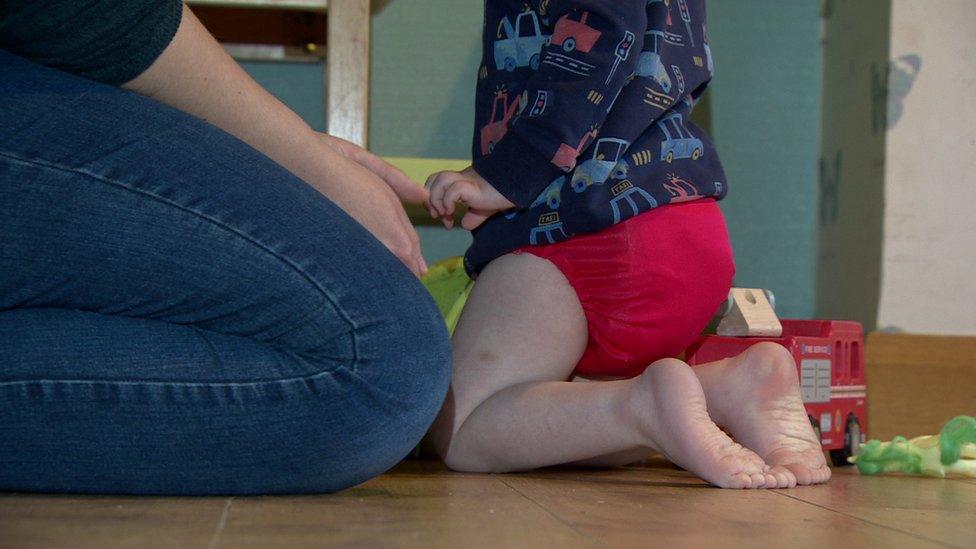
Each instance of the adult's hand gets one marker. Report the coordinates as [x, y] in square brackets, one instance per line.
[404, 187]
[374, 204]
[195, 74]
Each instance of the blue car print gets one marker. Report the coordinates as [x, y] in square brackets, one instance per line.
[604, 163]
[519, 46]
[678, 141]
[649, 63]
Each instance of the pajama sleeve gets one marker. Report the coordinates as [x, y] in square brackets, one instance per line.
[581, 69]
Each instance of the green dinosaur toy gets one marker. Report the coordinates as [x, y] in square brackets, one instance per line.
[450, 285]
[951, 452]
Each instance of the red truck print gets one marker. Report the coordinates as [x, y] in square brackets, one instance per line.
[829, 357]
[501, 112]
[566, 154]
[575, 35]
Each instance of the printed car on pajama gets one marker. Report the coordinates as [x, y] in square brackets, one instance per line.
[583, 116]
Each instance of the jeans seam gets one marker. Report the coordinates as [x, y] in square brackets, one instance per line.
[300, 322]
[80, 171]
[315, 375]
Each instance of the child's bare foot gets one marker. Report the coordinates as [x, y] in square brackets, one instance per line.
[670, 407]
[756, 398]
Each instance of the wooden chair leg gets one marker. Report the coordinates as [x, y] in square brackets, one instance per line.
[347, 70]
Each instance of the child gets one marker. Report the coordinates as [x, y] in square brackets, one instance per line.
[599, 252]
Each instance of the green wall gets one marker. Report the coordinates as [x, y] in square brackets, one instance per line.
[424, 65]
[765, 110]
[298, 85]
[852, 177]
[764, 107]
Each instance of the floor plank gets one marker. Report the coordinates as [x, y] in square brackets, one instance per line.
[421, 504]
[631, 507]
[28, 521]
[414, 505]
[942, 510]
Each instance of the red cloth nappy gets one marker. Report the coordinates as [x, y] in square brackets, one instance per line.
[648, 285]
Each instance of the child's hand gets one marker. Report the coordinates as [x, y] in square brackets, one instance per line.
[448, 188]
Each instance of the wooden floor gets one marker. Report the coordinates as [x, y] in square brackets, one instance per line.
[421, 504]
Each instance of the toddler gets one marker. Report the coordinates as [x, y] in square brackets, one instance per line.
[599, 253]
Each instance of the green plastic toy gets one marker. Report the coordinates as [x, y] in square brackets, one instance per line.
[951, 452]
[450, 285]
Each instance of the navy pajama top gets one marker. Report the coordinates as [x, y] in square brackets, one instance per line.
[582, 116]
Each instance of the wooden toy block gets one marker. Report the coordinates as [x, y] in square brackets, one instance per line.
[750, 314]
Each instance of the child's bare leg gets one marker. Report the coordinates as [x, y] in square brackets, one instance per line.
[756, 398]
[510, 408]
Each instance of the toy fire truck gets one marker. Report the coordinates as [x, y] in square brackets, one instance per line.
[829, 357]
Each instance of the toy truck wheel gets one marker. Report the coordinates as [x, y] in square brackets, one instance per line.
[491, 147]
[852, 443]
[534, 62]
[569, 45]
[670, 157]
[696, 154]
[510, 64]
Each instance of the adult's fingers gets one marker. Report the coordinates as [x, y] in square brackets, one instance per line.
[412, 255]
[404, 187]
[415, 252]
[388, 221]
[409, 254]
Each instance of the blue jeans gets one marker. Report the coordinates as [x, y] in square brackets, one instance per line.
[181, 315]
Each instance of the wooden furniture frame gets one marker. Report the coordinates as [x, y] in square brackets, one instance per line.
[347, 58]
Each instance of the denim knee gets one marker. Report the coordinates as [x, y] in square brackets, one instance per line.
[395, 386]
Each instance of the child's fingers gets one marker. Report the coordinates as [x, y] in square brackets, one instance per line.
[437, 185]
[429, 185]
[462, 190]
[436, 190]
[474, 218]
[426, 203]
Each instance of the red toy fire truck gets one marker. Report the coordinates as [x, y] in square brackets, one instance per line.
[829, 357]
